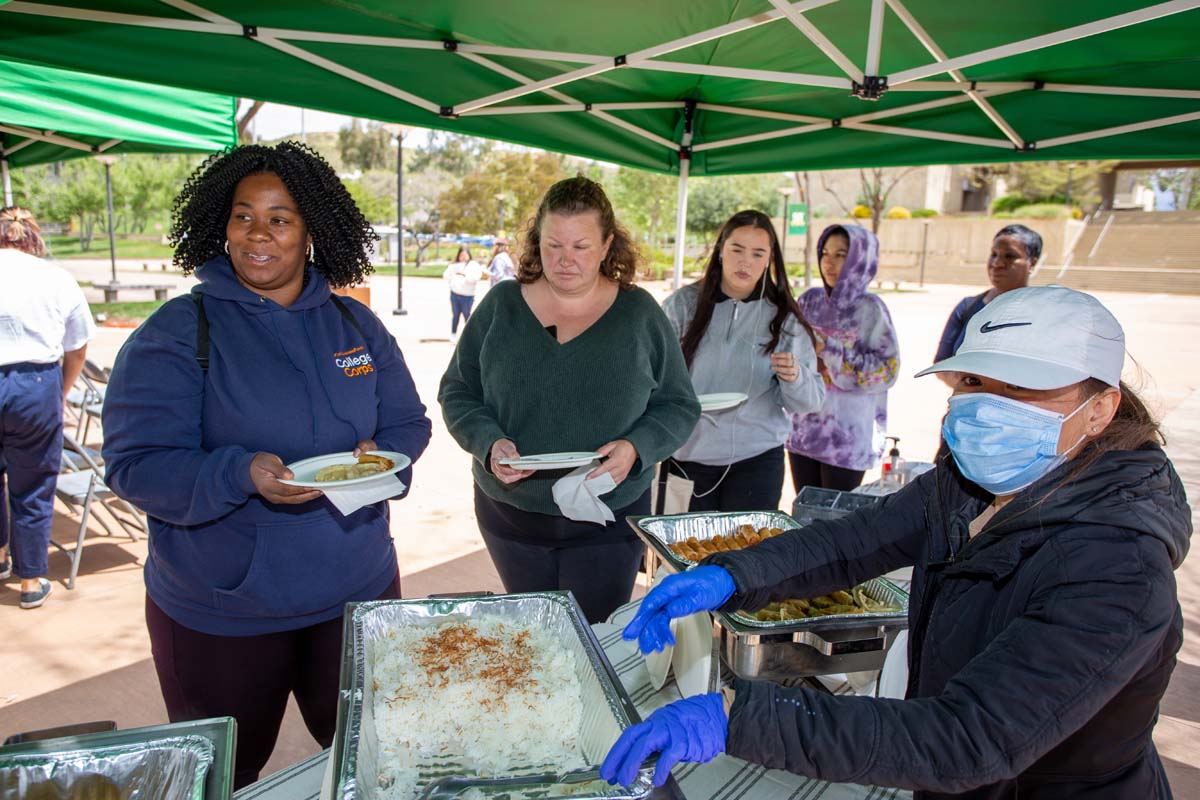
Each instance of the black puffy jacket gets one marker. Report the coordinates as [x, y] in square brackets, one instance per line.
[1038, 651]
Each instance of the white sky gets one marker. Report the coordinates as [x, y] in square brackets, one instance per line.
[274, 121]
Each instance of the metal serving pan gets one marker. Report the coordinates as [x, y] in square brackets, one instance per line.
[816, 646]
[660, 532]
[795, 648]
[607, 709]
[182, 761]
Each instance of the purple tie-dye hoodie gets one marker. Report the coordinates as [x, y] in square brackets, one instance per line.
[862, 357]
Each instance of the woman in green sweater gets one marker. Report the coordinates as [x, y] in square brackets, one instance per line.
[569, 357]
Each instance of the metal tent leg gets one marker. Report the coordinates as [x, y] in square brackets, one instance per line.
[680, 222]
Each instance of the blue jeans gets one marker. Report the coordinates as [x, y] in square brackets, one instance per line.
[31, 449]
[460, 305]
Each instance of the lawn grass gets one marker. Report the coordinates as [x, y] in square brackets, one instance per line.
[137, 311]
[66, 247]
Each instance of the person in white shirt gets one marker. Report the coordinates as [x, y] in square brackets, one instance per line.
[463, 276]
[43, 318]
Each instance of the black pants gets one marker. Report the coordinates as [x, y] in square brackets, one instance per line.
[810, 472]
[595, 563]
[752, 484]
[249, 678]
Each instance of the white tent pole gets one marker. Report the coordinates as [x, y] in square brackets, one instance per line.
[680, 222]
[45, 136]
[1120, 129]
[8, 195]
[754, 112]
[875, 37]
[1045, 40]
[763, 137]
[972, 92]
[819, 39]
[557, 95]
[936, 136]
[770, 76]
[1129, 91]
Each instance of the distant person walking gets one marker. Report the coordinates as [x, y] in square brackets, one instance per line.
[463, 276]
[1015, 253]
[501, 268]
[43, 318]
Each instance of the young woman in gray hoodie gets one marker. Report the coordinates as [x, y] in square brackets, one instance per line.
[742, 332]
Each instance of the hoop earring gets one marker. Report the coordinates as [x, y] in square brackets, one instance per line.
[226, 247]
[312, 254]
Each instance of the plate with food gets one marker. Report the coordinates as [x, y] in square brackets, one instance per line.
[551, 460]
[340, 470]
[721, 401]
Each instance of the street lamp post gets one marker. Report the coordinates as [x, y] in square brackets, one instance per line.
[786, 191]
[399, 309]
[500, 198]
[108, 161]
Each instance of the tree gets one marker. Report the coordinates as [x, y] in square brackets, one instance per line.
[366, 148]
[645, 201]
[875, 186]
[455, 153]
[712, 201]
[145, 185]
[370, 193]
[522, 176]
[1046, 181]
[78, 192]
[1182, 184]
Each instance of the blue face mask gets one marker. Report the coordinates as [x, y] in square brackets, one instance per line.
[1004, 445]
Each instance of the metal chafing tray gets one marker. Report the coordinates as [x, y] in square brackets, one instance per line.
[607, 709]
[659, 533]
[782, 650]
[187, 761]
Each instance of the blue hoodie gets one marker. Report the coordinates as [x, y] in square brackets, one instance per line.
[178, 444]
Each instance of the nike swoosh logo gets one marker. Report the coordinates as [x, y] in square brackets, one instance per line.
[988, 327]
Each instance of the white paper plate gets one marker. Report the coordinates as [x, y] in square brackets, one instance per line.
[692, 659]
[305, 470]
[658, 664]
[551, 460]
[721, 401]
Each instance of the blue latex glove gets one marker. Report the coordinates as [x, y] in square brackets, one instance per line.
[699, 589]
[693, 730]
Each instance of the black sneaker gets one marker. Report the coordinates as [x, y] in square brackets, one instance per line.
[5, 569]
[36, 598]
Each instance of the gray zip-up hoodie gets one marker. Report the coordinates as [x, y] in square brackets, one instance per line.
[730, 358]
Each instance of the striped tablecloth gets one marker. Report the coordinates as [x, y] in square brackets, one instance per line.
[723, 778]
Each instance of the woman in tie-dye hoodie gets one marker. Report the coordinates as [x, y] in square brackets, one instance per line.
[859, 359]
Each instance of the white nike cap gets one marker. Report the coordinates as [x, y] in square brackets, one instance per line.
[1040, 337]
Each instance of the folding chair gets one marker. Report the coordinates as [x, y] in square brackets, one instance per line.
[78, 489]
[86, 398]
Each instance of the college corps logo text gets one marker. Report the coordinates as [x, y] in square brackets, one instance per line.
[355, 362]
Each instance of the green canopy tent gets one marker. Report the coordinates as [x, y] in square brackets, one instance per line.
[709, 88]
[51, 114]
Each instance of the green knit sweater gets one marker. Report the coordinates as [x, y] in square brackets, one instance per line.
[622, 378]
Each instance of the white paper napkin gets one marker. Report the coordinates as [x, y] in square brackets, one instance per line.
[352, 498]
[579, 499]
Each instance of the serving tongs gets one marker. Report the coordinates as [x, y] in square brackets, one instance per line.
[445, 788]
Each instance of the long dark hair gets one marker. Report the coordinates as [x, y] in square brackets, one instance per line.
[777, 289]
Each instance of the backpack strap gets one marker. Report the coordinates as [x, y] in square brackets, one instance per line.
[345, 312]
[202, 341]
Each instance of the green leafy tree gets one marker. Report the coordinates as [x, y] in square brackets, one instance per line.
[712, 201]
[1183, 183]
[366, 147]
[521, 176]
[1046, 181]
[645, 201]
[455, 153]
[372, 198]
[77, 192]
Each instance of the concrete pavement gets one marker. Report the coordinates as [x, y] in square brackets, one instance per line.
[85, 654]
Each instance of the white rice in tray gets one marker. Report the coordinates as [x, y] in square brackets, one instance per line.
[488, 695]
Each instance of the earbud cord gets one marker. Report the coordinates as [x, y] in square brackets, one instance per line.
[738, 412]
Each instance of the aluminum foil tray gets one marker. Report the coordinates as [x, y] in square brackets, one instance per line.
[661, 532]
[162, 769]
[607, 709]
[815, 646]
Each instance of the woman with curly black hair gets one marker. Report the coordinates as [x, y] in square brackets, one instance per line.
[261, 365]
